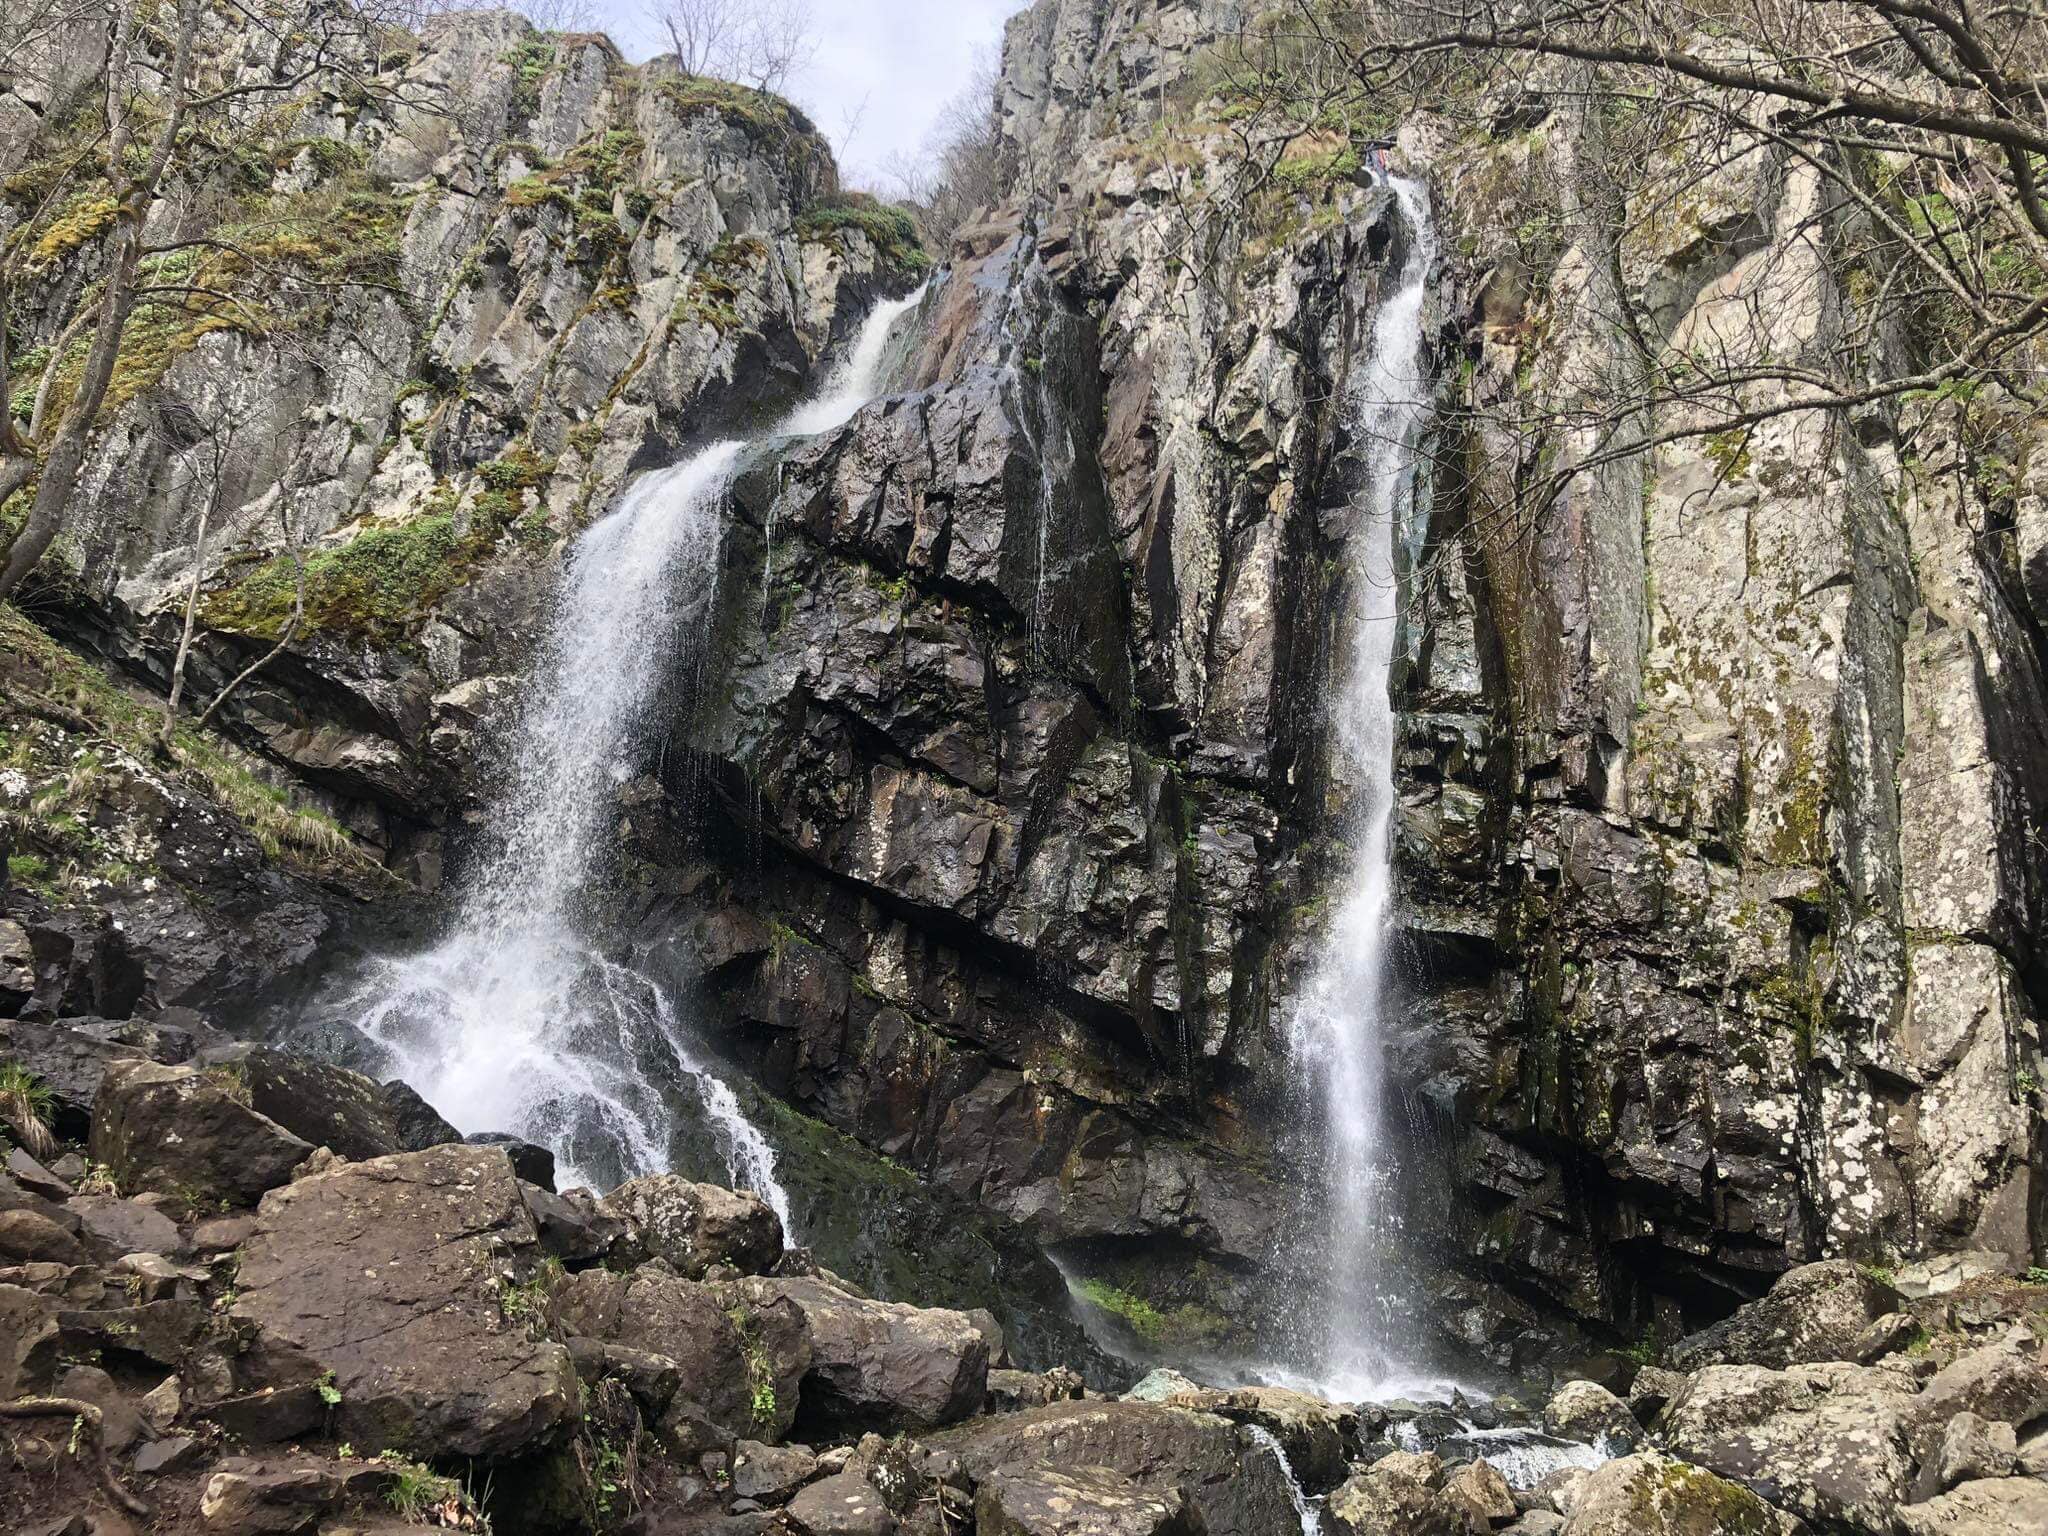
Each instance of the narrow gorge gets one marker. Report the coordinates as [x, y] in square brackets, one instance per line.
[1310, 805]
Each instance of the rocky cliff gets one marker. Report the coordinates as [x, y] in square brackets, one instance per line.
[993, 826]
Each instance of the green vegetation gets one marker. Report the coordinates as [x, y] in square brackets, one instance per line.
[891, 230]
[69, 831]
[760, 1370]
[1136, 1313]
[530, 1303]
[417, 1491]
[1728, 452]
[25, 1109]
[531, 61]
[1316, 172]
[764, 117]
[87, 216]
[383, 580]
[232, 1078]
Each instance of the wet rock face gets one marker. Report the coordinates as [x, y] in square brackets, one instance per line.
[1012, 707]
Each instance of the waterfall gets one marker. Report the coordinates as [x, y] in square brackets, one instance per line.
[1336, 1023]
[1304, 1507]
[515, 1021]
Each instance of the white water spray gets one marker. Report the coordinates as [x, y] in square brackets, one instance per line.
[514, 1021]
[1336, 1024]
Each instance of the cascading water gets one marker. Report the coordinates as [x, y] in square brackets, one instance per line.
[514, 1021]
[1305, 1508]
[1336, 1024]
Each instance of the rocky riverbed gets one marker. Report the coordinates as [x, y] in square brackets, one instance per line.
[246, 1291]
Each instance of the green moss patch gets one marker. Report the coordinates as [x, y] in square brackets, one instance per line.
[891, 230]
[383, 581]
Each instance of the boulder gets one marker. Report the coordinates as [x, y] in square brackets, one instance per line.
[739, 1359]
[1079, 1501]
[2005, 1381]
[845, 1504]
[189, 1132]
[1483, 1493]
[1881, 1337]
[1010, 1390]
[769, 1474]
[175, 1453]
[1159, 1384]
[1948, 1271]
[876, 1364]
[34, 1177]
[385, 1280]
[319, 1102]
[289, 1493]
[1560, 1489]
[17, 966]
[1651, 1390]
[30, 1237]
[1835, 1439]
[572, 1228]
[1652, 1495]
[1398, 1495]
[693, 1227]
[533, 1163]
[1315, 1435]
[1815, 1312]
[128, 1226]
[1585, 1410]
[29, 1342]
[1972, 1448]
[418, 1124]
[68, 1064]
[2006, 1506]
[1236, 1490]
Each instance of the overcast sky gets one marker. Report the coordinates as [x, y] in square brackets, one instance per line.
[889, 63]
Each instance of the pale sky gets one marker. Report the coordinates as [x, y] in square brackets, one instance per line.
[892, 62]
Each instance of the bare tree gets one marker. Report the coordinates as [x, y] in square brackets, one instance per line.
[762, 43]
[209, 460]
[960, 169]
[1920, 127]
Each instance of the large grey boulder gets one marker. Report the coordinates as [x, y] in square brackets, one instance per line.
[30, 1339]
[1585, 1410]
[1398, 1495]
[1815, 1312]
[693, 1227]
[387, 1282]
[739, 1359]
[1653, 1495]
[319, 1102]
[1236, 1487]
[1316, 1435]
[875, 1364]
[1836, 1440]
[189, 1132]
[845, 1504]
[68, 1064]
[1079, 1501]
[2006, 1506]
